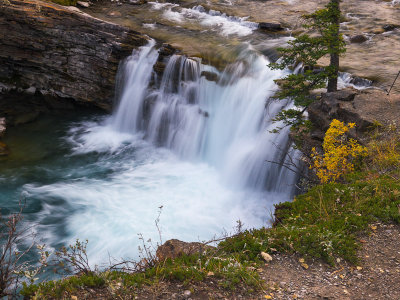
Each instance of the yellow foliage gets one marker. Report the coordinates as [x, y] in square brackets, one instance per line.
[339, 153]
[384, 151]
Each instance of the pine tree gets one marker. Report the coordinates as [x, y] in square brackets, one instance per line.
[309, 49]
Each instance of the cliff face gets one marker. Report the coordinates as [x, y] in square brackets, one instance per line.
[62, 51]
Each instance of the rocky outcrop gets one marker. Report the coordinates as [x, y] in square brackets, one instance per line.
[61, 51]
[358, 39]
[270, 27]
[175, 248]
[367, 108]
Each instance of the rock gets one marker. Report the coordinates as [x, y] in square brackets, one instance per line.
[266, 256]
[31, 90]
[137, 2]
[332, 106]
[358, 39]
[166, 50]
[365, 108]
[345, 95]
[378, 31]
[83, 4]
[175, 248]
[187, 293]
[2, 127]
[114, 14]
[159, 67]
[62, 50]
[210, 76]
[264, 26]
[390, 27]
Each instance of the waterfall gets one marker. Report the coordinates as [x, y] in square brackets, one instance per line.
[225, 122]
[196, 141]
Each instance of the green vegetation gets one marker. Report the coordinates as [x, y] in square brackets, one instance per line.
[65, 2]
[324, 40]
[228, 271]
[325, 223]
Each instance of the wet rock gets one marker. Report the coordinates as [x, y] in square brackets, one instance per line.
[137, 2]
[83, 4]
[265, 26]
[62, 50]
[159, 67]
[390, 27]
[175, 248]
[210, 76]
[358, 39]
[2, 127]
[167, 50]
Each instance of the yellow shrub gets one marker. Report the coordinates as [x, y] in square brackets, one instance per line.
[384, 150]
[339, 153]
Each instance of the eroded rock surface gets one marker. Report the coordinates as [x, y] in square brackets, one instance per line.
[175, 248]
[62, 51]
[366, 108]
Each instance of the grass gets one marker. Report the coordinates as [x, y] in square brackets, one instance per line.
[325, 223]
[64, 2]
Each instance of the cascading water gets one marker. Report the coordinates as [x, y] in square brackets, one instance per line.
[225, 123]
[199, 148]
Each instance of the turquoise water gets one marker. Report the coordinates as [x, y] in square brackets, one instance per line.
[80, 179]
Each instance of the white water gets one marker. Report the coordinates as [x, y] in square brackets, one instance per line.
[215, 20]
[196, 147]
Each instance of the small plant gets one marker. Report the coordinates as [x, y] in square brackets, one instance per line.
[74, 259]
[339, 154]
[11, 258]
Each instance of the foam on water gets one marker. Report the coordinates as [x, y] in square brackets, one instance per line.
[110, 213]
[215, 20]
[198, 148]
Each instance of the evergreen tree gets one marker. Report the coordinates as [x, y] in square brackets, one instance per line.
[308, 49]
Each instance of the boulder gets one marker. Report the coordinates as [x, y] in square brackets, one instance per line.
[265, 26]
[175, 248]
[358, 39]
[333, 106]
[210, 76]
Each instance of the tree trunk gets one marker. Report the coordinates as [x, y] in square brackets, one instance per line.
[334, 63]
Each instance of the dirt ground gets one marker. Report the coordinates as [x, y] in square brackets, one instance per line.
[375, 276]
